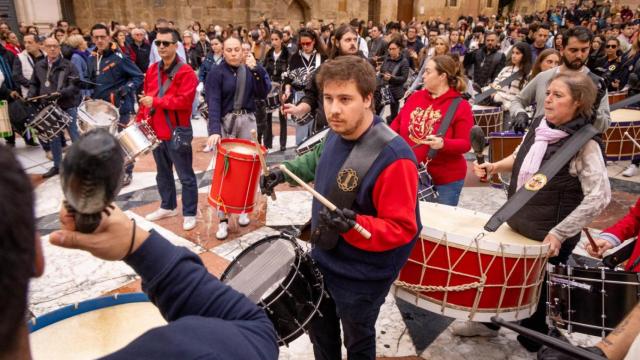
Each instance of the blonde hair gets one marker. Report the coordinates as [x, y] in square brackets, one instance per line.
[581, 88]
[445, 64]
[74, 41]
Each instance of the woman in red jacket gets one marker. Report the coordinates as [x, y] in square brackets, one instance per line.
[419, 124]
[626, 228]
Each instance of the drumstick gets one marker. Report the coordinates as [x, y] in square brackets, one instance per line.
[632, 139]
[265, 169]
[362, 231]
[590, 238]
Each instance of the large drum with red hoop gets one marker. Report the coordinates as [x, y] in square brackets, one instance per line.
[459, 270]
[236, 175]
[617, 146]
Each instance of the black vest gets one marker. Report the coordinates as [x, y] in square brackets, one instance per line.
[557, 199]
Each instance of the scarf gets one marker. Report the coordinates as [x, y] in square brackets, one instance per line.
[543, 137]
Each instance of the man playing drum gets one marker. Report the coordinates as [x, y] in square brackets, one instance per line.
[231, 110]
[210, 320]
[56, 75]
[370, 174]
[168, 107]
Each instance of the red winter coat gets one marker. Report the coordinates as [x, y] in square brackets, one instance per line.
[177, 100]
[421, 116]
[627, 228]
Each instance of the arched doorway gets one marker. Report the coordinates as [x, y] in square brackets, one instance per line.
[288, 12]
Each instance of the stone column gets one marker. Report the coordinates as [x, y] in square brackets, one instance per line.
[38, 12]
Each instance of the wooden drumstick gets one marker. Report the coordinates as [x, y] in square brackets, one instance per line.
[632, 139]
[590, 238]
[328, 204]
[265, 169]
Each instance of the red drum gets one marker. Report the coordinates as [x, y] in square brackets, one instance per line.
[489, 118]
[616, 96]
[501, 145]
[236, 175]
[458, 270]
[616, 145]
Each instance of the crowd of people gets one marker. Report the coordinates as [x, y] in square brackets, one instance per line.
[550, 73]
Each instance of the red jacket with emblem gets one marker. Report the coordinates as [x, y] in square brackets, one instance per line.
[627, 228]
[177, 100]
[421, 116]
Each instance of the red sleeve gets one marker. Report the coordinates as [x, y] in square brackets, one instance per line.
[143, 112]
[458, 141]
[628, 226]
[180, 98]
[394, 197]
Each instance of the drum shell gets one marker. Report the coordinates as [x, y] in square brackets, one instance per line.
[310, 142]
[617, 96]
[602, 310]
[50, 122]
[488, 118]
[501, 145]
[617, 145]
[5, 122]
[514, 270]
[235, 177]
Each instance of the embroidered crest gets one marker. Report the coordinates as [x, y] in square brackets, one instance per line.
[347, 180]
[612, 68]
[537, 182]
[422, 123]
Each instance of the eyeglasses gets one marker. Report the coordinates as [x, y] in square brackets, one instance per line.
[306, 43]
[612, 46]
[164, 43]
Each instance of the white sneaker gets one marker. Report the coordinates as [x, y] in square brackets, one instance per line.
[188, 223]
[161, 214]
[222, 232]
[472, 328]
[631, 170]
[243, 219]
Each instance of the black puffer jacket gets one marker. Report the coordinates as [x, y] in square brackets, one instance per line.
[398, 77]
[486, 65]
[62, 78]
[275, 68]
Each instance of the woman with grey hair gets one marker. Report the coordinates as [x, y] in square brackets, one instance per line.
[563, 204]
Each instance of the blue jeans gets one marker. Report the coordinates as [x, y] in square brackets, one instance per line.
[166, 159]
[73, 125]
[449, 194]
[357, 313]
[55, 145]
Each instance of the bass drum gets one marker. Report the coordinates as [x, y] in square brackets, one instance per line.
[280, 277]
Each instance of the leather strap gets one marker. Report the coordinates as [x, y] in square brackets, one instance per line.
[362, 156]
[549, 169]
[444, 125]
[241, 84]
[485, 94]
[163, 87]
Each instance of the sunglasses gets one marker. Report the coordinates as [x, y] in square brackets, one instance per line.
[306, 43]
[612, 46]
[163, 43]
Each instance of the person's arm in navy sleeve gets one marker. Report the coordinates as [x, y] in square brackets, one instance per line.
[133, 73]
[261, 82]
[213, 89]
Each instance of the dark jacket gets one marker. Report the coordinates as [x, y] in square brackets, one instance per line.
[192, 57]
[485, 65]
[62, 78]
[18, 74]
[202, 50]
[118, 78]
[275, 68]
[297, 75]
[142, 55]
[209, 62]
[399, 70]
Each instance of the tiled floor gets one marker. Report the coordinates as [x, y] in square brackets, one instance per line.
[404, 331]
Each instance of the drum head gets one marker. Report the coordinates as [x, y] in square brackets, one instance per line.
[98, 113]
[625, 115]
[93, 328]
[262, 268]
[244, 148]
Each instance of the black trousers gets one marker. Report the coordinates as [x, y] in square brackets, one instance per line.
[264, 122]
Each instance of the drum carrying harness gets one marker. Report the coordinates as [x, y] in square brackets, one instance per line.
[361, 158]
[547, 171]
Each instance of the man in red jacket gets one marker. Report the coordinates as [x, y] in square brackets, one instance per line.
[625, 229]
[166, 112]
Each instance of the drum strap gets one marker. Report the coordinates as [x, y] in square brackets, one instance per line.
[548, 170]
[485, 94]
[444, 125]
[241, 84]
[359, 161]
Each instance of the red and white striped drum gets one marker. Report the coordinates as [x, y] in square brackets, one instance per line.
[459, 270]
[489, 118]
[236, 175]
[617, 146]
